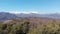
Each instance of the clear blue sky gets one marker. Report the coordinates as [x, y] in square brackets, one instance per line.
[30, 5]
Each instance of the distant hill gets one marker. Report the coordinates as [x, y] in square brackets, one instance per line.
[6, 15]
[39, 15]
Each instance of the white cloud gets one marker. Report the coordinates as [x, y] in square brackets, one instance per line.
[25, 12]
[28, 12]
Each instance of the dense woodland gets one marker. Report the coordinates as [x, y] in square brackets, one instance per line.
[30, 26]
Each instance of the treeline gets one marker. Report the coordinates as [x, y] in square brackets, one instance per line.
[28, 28]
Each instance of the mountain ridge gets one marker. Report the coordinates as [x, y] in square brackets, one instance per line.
[7, 15]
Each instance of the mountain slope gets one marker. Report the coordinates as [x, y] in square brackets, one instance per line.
[5, 15]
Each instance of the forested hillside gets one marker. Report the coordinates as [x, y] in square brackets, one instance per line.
[30, 26]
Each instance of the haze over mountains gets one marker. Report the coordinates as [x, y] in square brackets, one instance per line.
[7, 15]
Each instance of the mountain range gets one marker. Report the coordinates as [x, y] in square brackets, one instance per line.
[7, 15]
